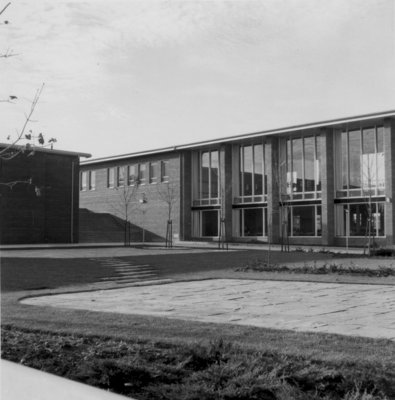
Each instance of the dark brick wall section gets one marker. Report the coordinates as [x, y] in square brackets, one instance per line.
[186, 196]
[327, 184]
[151, 216]
[51, 216]
[273, 209]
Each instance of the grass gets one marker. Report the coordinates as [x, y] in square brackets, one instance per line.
[158, 358]
[217, 370]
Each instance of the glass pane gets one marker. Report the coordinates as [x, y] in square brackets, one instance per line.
[318, 221]
[84, 180]
[131, 174]
[266, 232]
[258, 169]
[369, 141]
[142, 173]
[303, 221]
[355, 159]
[289, 167]
[247, 190]
[380, 139]
[344, 151]
[368, 161]
[153, 173]
[165, 171]
[358, 219]
[297, 163]
[380, 160]
[309, 161]
[267, 150]
[111, 177]
[121, 176]
[317, 165]
[210, 223]
[92, 180]
[378, 219]
[253, 222]
[205, 170]
[214, 174]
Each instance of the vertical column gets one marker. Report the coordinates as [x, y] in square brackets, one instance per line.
[389, 160]
[273, 187]
[185, 195]
[225, 159]
[327, 187]
[75, 196]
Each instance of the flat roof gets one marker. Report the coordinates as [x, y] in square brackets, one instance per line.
[288, 129]
[45, 150]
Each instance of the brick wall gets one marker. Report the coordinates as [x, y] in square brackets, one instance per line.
[151, 216]
[41, 212]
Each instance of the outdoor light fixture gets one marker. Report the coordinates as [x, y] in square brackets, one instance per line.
[143, 199]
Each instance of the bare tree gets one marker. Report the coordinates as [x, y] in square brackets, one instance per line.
[168, 193]
[369, 181]
[25, 140]
[125, 205]
[22, 141]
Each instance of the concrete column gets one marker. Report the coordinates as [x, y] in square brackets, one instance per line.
[185, 195]
[389, 157]
[226, 187]
[273, 180]
[327, 185]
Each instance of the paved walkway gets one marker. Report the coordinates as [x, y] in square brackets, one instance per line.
[23, 383]
[352, 309]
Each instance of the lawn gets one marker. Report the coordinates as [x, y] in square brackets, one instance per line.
[157, 358]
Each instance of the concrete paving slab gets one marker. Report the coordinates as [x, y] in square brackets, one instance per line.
[348, 309]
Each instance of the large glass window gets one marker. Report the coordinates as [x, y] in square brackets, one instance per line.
[209, 223]
[303, 177]
[305, 220]
[252, 173]
[208, 178]
[252, 222]
[361, 170]
[359, 219]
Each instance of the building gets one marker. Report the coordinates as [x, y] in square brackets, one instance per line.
[324, 183]
[39, 195]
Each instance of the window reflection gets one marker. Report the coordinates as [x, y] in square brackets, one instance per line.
[251, 170]
[361, 171]
[358, 219]
[303, 176]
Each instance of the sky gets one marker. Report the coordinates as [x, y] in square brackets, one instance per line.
[128, 76]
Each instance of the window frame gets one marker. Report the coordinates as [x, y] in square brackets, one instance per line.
[111, 172]
[164, 171]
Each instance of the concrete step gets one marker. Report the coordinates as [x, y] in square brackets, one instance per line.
[119, 278]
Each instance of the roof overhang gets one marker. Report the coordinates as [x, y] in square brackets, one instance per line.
[39, 149]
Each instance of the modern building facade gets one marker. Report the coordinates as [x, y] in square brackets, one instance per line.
[325, 183]
[39, 196]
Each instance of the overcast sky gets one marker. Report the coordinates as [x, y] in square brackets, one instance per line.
[125, 76]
